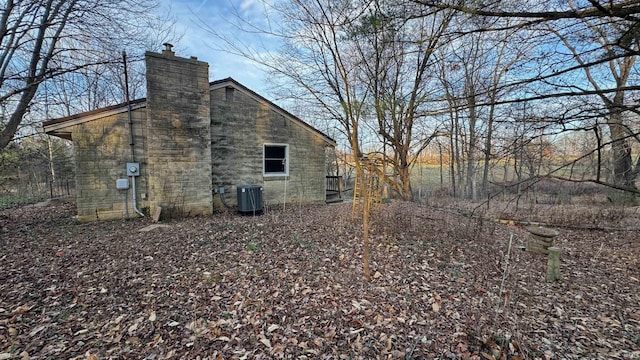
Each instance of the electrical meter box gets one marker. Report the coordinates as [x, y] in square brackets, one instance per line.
[122, 184]
[133, 169]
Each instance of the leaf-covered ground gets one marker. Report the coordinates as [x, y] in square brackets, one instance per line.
[289, 284]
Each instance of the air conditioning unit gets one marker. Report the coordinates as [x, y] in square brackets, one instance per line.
[249, 199]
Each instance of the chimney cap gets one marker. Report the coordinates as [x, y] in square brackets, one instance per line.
[167, 49]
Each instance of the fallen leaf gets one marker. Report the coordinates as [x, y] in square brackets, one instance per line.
[435, 306]
[266, 342]
[132, 328]
[331, 333]
[21, 309]
[277, 349]
[253, 299]
[36, 330]
[487, 356]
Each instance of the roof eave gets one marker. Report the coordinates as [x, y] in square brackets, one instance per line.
[53, 127]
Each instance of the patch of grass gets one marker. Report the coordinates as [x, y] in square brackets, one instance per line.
[10, 201]
[253, 247]
[226, 315]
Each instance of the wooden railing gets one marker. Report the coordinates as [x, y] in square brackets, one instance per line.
[334, 185]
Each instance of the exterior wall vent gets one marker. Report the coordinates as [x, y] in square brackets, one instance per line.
[249, 199]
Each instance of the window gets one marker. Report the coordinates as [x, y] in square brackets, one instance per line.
[276, 159]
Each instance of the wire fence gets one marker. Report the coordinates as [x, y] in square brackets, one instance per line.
[26, 192]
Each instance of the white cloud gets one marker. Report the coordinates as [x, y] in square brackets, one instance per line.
[197, 41]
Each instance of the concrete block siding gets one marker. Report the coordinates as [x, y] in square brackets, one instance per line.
[101, 151]
[191, 137]
[241, 125]
[178, 121]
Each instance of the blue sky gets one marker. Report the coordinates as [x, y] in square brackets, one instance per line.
[197, 41]
[219, 14]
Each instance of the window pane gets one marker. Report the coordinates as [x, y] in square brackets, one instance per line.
[274, 166]
[274, 152]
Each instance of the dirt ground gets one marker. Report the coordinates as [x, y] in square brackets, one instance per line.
[289, 284]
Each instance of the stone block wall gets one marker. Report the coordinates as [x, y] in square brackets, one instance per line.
[240, 126]
[178, 126]
[190, 140]
[102, 151]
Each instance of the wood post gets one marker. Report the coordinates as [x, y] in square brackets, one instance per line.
[156, 213]
[553, 264]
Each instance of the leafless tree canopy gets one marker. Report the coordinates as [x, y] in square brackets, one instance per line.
[495, 77]
[45, 40]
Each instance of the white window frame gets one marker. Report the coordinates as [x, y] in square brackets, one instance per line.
[286, 159]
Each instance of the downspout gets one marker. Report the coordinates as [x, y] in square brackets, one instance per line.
[131, 142]
[133, 189]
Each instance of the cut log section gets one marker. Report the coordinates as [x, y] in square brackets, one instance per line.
[540, 239]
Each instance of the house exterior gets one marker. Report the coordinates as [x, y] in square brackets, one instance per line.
[194, 143]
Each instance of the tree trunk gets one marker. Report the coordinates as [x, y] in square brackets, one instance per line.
[470, 89]
[405, 179]
[623, 174]
[366, 210]
[52, 169]
[471, 158]
[487, 151]
[459, 161]
[440, 153]
[452, 161]
[16, 117]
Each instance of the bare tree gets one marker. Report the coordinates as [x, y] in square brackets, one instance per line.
[396, 49]
[623, 9]
[591, 55]
[608, 36]
[357, 61]
[45, 39]
[322, 62]
[472, 73]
